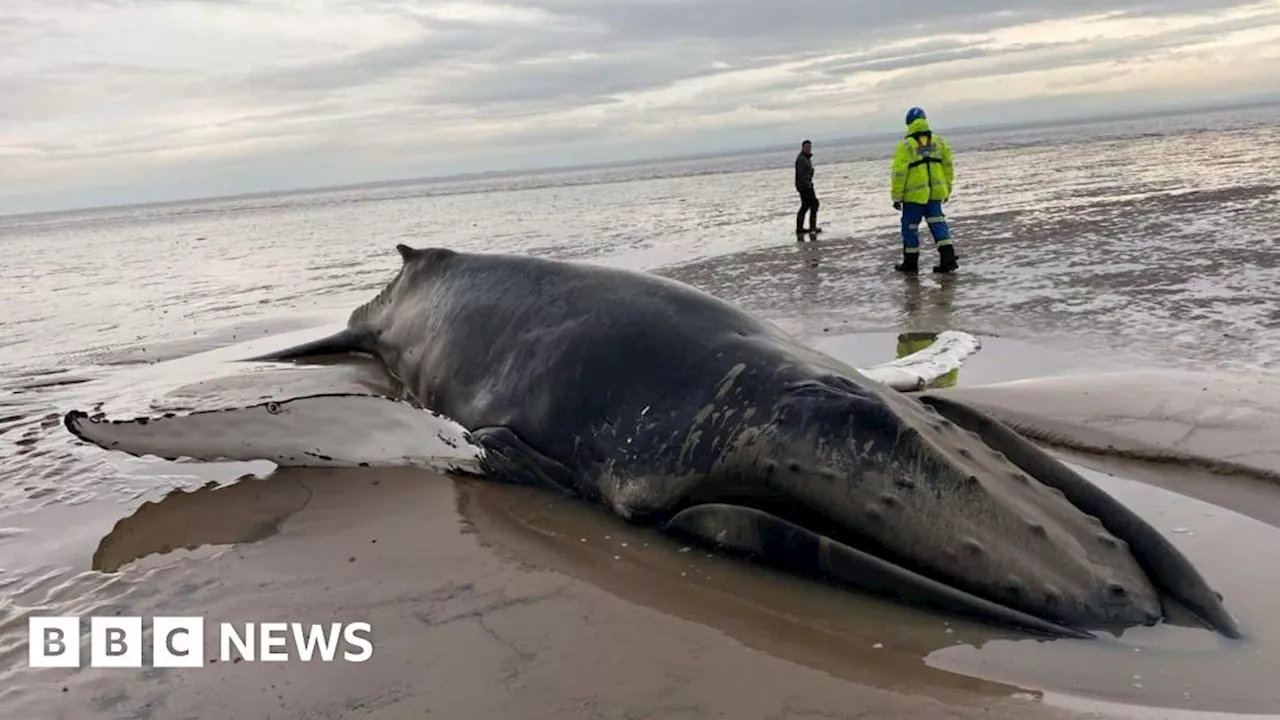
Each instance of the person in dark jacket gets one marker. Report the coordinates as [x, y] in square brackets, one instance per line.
[804, 186]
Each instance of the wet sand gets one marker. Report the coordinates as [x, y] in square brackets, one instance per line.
[493, 601]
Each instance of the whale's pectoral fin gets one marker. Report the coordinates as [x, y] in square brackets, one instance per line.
[508, 458]
[1164, 564]
[330, 430]
[767, 538]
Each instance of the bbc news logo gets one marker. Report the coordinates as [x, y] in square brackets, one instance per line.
[179, 642]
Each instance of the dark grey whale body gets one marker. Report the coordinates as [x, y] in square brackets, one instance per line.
[676, 409]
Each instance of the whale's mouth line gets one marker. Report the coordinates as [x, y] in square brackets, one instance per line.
[820, 525]
[792, 511]
[744, 529]
[790, 536]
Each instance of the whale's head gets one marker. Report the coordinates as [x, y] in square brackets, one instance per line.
[894, 496]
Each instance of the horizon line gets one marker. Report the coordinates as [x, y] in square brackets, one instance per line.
[1240, 103]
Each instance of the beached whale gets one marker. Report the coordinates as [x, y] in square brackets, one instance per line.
[676, 409]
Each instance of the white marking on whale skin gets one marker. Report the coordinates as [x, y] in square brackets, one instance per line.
[346, 430]
[915, 371]
[730, 377]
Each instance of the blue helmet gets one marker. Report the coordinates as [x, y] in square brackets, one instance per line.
[914, 113]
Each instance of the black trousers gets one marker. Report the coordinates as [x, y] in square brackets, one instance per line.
[808, 204]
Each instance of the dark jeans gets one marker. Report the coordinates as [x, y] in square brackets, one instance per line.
[808, 204]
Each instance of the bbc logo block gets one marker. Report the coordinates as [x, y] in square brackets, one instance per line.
[179, 642]
[54, 641]
[115, 642]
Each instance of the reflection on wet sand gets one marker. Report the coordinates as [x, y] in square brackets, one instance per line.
[789, 616]
[245, 511]
[842, 632]
[928, 309]
[810, 277]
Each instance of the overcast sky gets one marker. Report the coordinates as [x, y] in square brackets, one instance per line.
[109, 101]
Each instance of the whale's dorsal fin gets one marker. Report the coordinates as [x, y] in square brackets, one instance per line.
[409, 253]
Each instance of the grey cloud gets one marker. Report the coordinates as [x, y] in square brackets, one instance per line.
[449, 41]
[366, 67]
[89, 5]
[821, 20]
[478, 66]
[462, 70]
[584, 81]
[645, 45]
[16, 32]
[841, 68]
[82, 87]
[1038, 56]
[649, 44]
[15, 24]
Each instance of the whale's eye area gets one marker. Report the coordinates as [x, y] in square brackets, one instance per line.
[871, 415]
[838, 404]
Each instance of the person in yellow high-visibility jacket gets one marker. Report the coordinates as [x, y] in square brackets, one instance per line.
[920, 184]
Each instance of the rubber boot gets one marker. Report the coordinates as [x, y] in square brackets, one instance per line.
[946, 259]
[910, 263]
